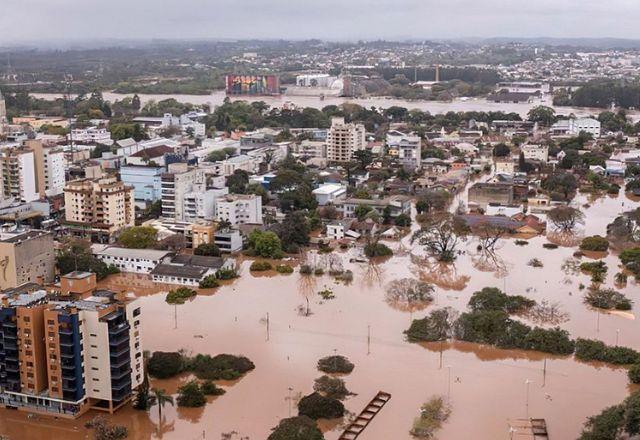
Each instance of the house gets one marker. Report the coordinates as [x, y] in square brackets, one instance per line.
[506, 166]
[397, 204]
[574, 126]
[535, 223]
[337, 229]
[535, 152]
[189, 270]
[329, 193]
[153, 155]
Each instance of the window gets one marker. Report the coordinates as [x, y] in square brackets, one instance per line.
[94, 369]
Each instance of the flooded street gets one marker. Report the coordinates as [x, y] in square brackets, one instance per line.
[434, 107]
[487, 385]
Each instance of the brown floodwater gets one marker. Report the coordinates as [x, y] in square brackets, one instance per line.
[486, 386]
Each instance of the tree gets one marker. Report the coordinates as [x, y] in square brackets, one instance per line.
[594, 243]
[77, 255]
[163, 365]
[562, 185]
[138, 237]
[432, 200]
[409, 294]
[361, 211]
[630, 258]
[364, 158]
[293, 231]
[238, 181]
[501, 150]
[437, 326]
[296, 428]
[102, 430]
[440, 236]
[317, 406]
[543, 115]
[332, 387]
[492, 298]
[265, 244]
[207, 249]
[190, 395]
[335, 364]
[565, 218]
[403, 220]
[160, 398]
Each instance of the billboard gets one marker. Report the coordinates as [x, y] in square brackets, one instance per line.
[253, 85]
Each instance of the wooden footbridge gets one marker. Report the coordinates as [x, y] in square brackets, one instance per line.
[364, 418]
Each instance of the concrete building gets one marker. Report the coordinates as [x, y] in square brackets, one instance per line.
[130, 260]
[343, 140]
[228, 240]
[482, 194]
[49, 165]
[311, 149]
[535, 152]
[3, 109]
[18, 172]
[189, 270]
[408, 149]
[62, 356]
[505, 166]
[574, 126]
[98, 208]
[329, 193]
[397, 204]
[315, 80]
[90, 135]
[175, 184]
[26, 256]
[239, 209]
[201, 205]
[146, 183]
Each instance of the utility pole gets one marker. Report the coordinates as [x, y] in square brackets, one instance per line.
[368, 339]
[267, 326]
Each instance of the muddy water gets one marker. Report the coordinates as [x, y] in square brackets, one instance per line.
[486, 386]
[434, 107]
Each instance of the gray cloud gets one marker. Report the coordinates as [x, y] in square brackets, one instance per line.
[53, 20]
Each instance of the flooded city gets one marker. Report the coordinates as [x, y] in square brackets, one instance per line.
[485, 385]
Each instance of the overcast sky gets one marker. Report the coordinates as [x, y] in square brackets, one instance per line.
[37, 20]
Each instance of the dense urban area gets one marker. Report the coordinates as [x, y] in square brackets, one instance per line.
[307, 240]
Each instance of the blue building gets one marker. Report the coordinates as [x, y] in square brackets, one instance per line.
[145, 182]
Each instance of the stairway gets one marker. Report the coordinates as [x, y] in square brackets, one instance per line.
[364, 418]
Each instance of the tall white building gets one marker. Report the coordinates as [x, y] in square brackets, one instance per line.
[54, 175]
[3, 109]
[175, 184]
[239, 209]
[18, 174]
[343, 140]
[535, 152]
[201, 205]
[91, 135]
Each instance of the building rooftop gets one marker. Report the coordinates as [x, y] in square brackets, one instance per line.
[114, 251]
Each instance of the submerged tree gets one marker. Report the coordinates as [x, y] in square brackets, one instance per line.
[409, 294]
[565, 218]
[440, 236]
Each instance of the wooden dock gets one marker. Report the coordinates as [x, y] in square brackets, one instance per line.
[528, 429]
[364, 418]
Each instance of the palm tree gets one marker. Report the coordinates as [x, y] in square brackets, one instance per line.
[160, 397]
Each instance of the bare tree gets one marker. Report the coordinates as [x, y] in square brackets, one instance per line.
[409, 294]
[565, 218]
[489, 235]
[440, 236]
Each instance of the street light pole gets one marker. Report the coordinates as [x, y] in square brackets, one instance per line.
[448, 383]
[527, 382]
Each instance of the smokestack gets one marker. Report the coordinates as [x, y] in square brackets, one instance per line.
[437, 73]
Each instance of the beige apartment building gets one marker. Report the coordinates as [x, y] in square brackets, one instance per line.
[343, 140]
[98, 208]
[26, 256]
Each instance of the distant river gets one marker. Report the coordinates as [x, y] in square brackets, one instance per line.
[434, 107]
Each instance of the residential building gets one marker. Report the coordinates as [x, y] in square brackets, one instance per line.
[26, 256]
[329, 193]
[49, 165]
[130, 260]
[146, 183]
[396, 204]
[535, 152]
[344, 139]
[202, 233]
[311, 149]
[155, 156]
[574, 126]
[505, 166]
[3, 109]
[18, 172]
[90, 135]
[175, 184]
[200, 205]
[239, 209]
[409, 152]
[62, 356]
[189, 270]
[228, 240]
[98, 208]
[337, 229]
